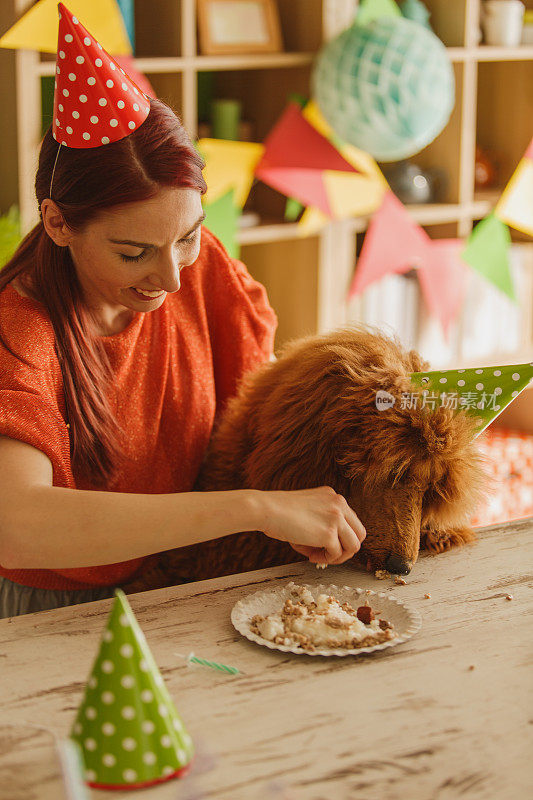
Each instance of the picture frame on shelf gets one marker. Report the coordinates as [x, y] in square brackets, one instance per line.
[229, 27]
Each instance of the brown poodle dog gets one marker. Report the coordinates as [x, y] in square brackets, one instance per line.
[413, 475]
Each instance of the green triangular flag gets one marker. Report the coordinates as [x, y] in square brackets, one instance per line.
[222, 218]
[483, 392]
[10, 237]
[370, 10]
[416, 11]
[298, 97]
[292, 209]
[487, 251]
[127, 726]
[47, 102]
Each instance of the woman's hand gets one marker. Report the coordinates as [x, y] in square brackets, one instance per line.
[318, 523]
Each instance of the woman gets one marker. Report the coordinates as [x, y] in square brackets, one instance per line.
[124, 329]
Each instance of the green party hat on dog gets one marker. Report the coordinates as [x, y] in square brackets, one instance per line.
[483, 392]
[127, 726]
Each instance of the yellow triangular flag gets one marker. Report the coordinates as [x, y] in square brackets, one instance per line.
[312, 221]
[515, 206]
[352, 195]
[229, 165]
[314, 116]
[37, 29]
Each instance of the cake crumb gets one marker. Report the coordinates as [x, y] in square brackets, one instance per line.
[508, 596]
[427, 596]
[382, 574]
[400, 581]
[471, 667]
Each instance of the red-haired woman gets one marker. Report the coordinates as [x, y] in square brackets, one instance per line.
[124, 329]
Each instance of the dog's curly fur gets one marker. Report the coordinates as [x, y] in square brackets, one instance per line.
[413, 475]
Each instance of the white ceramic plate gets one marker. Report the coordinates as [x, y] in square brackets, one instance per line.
[406, 620]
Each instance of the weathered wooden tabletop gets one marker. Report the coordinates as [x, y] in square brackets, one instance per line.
[412, 722]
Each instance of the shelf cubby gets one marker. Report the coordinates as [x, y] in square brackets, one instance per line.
[306, 278]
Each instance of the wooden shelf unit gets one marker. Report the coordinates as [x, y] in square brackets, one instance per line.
[307, 278]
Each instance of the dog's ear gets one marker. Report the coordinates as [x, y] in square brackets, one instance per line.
[447, 461]
[451, 500]
[417, 363]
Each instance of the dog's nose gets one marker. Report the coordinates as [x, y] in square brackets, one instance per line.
[398, 565]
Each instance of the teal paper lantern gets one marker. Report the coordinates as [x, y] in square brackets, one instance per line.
[386, 87]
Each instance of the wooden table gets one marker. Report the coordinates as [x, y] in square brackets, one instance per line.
[407, 723]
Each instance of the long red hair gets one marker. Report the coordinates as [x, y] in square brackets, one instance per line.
[86, 182]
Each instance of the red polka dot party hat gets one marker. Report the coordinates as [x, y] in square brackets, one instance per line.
[95, 101]
[127, 726]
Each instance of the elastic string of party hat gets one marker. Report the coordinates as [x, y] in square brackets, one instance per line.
[53, 171]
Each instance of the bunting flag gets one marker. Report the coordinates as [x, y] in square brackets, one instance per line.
[443, 280]
[229, 165]
[311, 222]
[359, 195]
[487, 251]
[295, 158]
[352, 195]
[222, 219]
[292, 209]
[306, 162]
[37, 29]
[361, 160]
[515, 206]
[10, 235]
[482, 392]
[394, 243]
[374, 9]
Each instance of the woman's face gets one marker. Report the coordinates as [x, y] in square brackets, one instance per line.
[142, 245]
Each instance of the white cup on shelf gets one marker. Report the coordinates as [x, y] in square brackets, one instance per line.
[502, 22]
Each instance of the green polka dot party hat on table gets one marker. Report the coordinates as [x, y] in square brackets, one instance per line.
[483, 392]
[127, 726]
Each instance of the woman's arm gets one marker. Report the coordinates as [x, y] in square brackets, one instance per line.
[56, 528]
[50, 527]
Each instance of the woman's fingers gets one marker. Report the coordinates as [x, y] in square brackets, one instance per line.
[304, 549]
[344, 532]
[345, 545]
[333, 550]
[316, 555]
[356, 524]
[349, 538]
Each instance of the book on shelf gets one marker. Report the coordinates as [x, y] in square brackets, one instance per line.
[391, 305]
[431, 342]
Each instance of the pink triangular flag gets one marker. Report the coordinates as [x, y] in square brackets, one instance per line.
[393, 243]
[305, 185]
[442, 279]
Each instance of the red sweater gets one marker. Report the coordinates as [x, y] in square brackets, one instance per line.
[175, 368]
